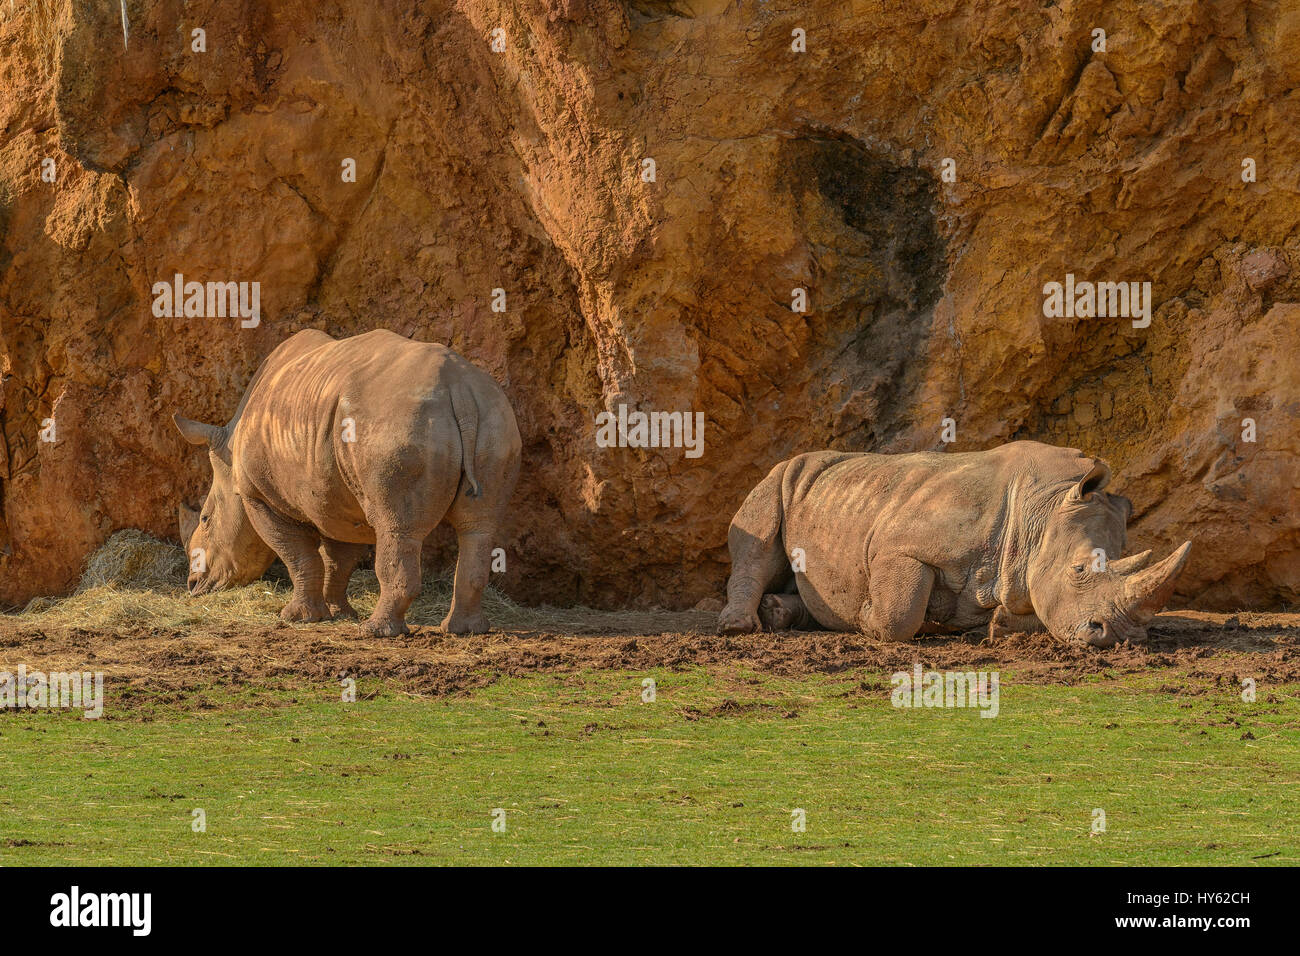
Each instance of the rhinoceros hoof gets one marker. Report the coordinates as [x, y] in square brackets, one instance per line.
[465, 624]
[384, 627]
[732, 621]
[304, 611]
[342, 612]
[775, 615]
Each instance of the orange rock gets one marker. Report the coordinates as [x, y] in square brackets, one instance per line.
[774, 170]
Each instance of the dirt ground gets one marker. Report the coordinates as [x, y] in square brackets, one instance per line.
[1203, 647]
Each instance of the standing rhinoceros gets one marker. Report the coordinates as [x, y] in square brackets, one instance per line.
[888, 544]
[342, 443]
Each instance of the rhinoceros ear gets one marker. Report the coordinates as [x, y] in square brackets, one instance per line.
[188, 520]
[1096, 479]
[197, 433]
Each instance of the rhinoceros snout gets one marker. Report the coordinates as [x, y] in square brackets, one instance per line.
[1107, 633]
[1097, 634]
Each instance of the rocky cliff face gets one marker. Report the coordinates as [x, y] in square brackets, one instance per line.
[524, 169]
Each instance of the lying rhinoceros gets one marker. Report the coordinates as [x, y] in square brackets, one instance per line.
[1018, 537]
[342, 443]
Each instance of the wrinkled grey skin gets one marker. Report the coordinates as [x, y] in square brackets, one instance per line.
[435, 438]
[896, 544]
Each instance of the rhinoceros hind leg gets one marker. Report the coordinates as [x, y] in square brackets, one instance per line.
[397, 565]
[473, 560]
[758, 561]
[900, 594]
[783, 612]
[298, 547]
[340, 559]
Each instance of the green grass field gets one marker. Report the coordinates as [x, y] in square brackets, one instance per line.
[711, 772]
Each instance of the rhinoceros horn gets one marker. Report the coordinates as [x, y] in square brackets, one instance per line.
[1134, 562]
[1149, 590]
[197, 433]
[188, 519]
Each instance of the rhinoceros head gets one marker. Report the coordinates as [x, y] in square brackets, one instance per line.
[233, 554]
[1096, 600]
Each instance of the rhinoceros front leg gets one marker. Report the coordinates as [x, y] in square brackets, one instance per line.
[340, 560]
[1004, 622]
[397, 565]
[899, 594]
[473, 564]
[298, 547]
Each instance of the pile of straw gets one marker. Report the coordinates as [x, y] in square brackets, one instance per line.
[135, 579]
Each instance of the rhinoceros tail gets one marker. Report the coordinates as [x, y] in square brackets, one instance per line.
[465, 409]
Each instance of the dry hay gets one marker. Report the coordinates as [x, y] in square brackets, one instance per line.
[135, 579]
[137, 561]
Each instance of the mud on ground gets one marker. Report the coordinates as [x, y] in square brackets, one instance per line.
[1187, 652]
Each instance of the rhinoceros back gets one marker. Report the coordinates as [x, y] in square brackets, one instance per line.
[327, 429]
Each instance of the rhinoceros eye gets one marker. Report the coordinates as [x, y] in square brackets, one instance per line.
[1077, 569]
